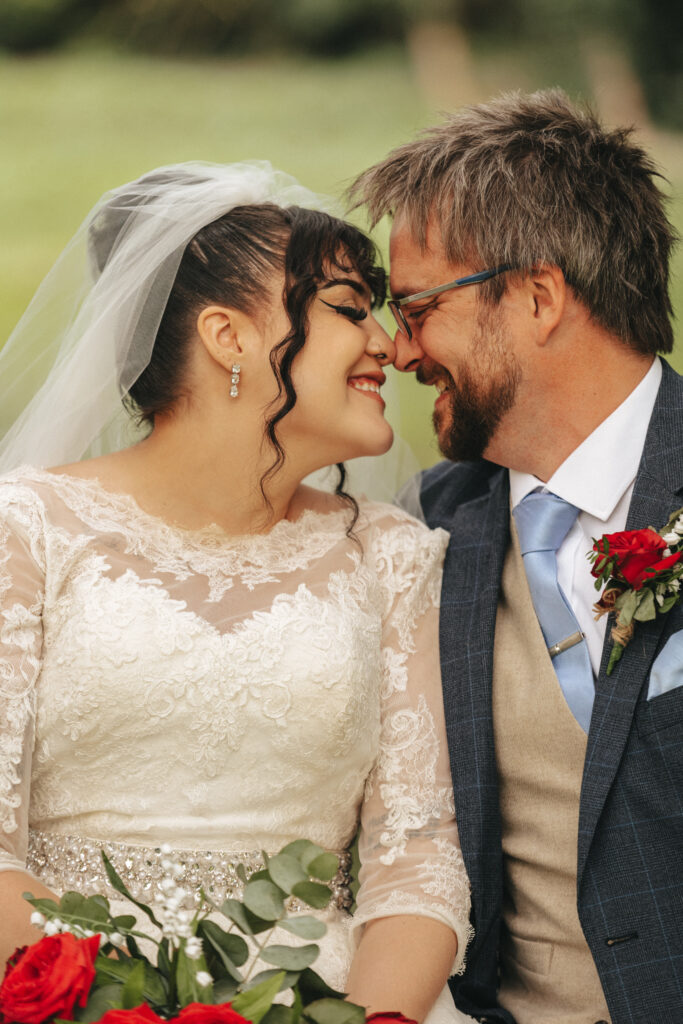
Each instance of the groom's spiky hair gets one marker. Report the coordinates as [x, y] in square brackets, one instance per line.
[528, 179]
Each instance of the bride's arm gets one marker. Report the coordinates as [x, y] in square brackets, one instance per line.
[412, 918]
[402, 963]
[15, 911]
[21, 600]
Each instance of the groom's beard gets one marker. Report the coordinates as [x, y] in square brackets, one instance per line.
[466, 421]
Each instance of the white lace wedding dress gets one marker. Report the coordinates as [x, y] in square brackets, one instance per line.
[224, 695]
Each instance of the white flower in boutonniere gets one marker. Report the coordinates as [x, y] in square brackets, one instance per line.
[641, 573]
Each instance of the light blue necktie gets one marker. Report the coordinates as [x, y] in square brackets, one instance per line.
[543, 521]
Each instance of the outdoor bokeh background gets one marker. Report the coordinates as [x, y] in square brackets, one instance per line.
[95, 92]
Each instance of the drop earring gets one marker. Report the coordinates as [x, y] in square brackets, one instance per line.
[234, 383]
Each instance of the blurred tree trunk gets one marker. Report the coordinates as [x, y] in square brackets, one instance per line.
[443, 64]
[614, 83]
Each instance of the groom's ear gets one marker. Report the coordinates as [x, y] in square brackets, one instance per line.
[547, 296]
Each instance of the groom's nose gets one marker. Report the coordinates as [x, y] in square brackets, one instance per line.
[409, 355]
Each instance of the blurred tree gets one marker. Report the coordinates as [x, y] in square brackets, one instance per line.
[651, 29]
[29, 25]
[654, 29]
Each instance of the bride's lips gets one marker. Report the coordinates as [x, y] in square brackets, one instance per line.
[368, 384]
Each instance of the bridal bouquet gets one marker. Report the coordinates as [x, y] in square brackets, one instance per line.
[89, 966]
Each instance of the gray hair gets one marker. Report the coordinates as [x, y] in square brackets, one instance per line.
[528, 179]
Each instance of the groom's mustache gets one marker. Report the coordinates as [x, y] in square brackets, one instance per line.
[434, 374]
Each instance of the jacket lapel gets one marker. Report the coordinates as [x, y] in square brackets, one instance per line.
[656, 494]
[479, 531]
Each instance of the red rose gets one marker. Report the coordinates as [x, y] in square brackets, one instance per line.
[200, 1013]
[48, 979]
[389, 1017]
[637, 554]
[142, 1014]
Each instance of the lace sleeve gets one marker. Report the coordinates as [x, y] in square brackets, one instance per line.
[409, 848]
[21, 601]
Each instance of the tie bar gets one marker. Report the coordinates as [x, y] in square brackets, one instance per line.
[564, 645]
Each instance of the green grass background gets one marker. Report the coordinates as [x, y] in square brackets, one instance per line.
[74, 125]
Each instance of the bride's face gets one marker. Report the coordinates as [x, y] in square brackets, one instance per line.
[338, 376]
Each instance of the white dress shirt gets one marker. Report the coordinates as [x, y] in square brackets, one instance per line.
[598, 479]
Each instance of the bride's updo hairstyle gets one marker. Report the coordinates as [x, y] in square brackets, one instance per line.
[231, 262]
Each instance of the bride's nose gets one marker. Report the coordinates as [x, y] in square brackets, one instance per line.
[380, 345]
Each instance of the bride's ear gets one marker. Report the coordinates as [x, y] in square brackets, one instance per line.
[225, 333]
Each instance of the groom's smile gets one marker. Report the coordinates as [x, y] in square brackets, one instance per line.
[459, 345]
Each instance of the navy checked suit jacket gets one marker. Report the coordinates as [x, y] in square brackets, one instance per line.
[630, 841]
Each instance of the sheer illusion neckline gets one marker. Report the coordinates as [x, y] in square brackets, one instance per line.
[211, 537]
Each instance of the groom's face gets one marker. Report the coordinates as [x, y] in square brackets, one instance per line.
[460, 344]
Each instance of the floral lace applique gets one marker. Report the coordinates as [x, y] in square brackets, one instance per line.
[406, 776]
[19, 633]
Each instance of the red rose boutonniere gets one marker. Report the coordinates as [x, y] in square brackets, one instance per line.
[641, 572]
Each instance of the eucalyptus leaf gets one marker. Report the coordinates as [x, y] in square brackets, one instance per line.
[289, 978]
[290, 958]
[256, 876]
[97, 909]
[108, 997]
[235, 912]
[255, 1003]
[304, 926]
[313, 987]
[279, 1014]
[627, 604]
[304, 850]
[133, 988]
[312, 893]
[117, 883]
[216, 947]
[334, 1011]
[233, 945]
[265, 899]
[247, 922]
[286, 871]
[223, 990]
[72, 904]
[46, 906]
[646, 610]
[324, 867]
[124, 922]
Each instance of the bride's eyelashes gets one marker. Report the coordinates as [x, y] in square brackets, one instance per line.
[352, 312]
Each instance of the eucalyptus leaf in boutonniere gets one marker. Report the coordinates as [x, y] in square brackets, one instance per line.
[641, 572]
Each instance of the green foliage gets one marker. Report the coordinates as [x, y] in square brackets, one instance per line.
[204, 967]
[255, 1003]
[331, 1011]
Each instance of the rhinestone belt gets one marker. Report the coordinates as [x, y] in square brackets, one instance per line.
[75, 863]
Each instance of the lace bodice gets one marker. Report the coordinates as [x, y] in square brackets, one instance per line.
[162, 684]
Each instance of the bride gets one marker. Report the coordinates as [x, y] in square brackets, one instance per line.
[196, 647]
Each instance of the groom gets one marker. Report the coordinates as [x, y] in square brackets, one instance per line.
[529, 271]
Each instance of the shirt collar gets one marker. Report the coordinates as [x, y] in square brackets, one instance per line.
[598, 473]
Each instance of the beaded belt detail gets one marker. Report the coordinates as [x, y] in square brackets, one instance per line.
[64, 863]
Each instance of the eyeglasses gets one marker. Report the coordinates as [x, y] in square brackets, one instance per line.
[395, 304]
